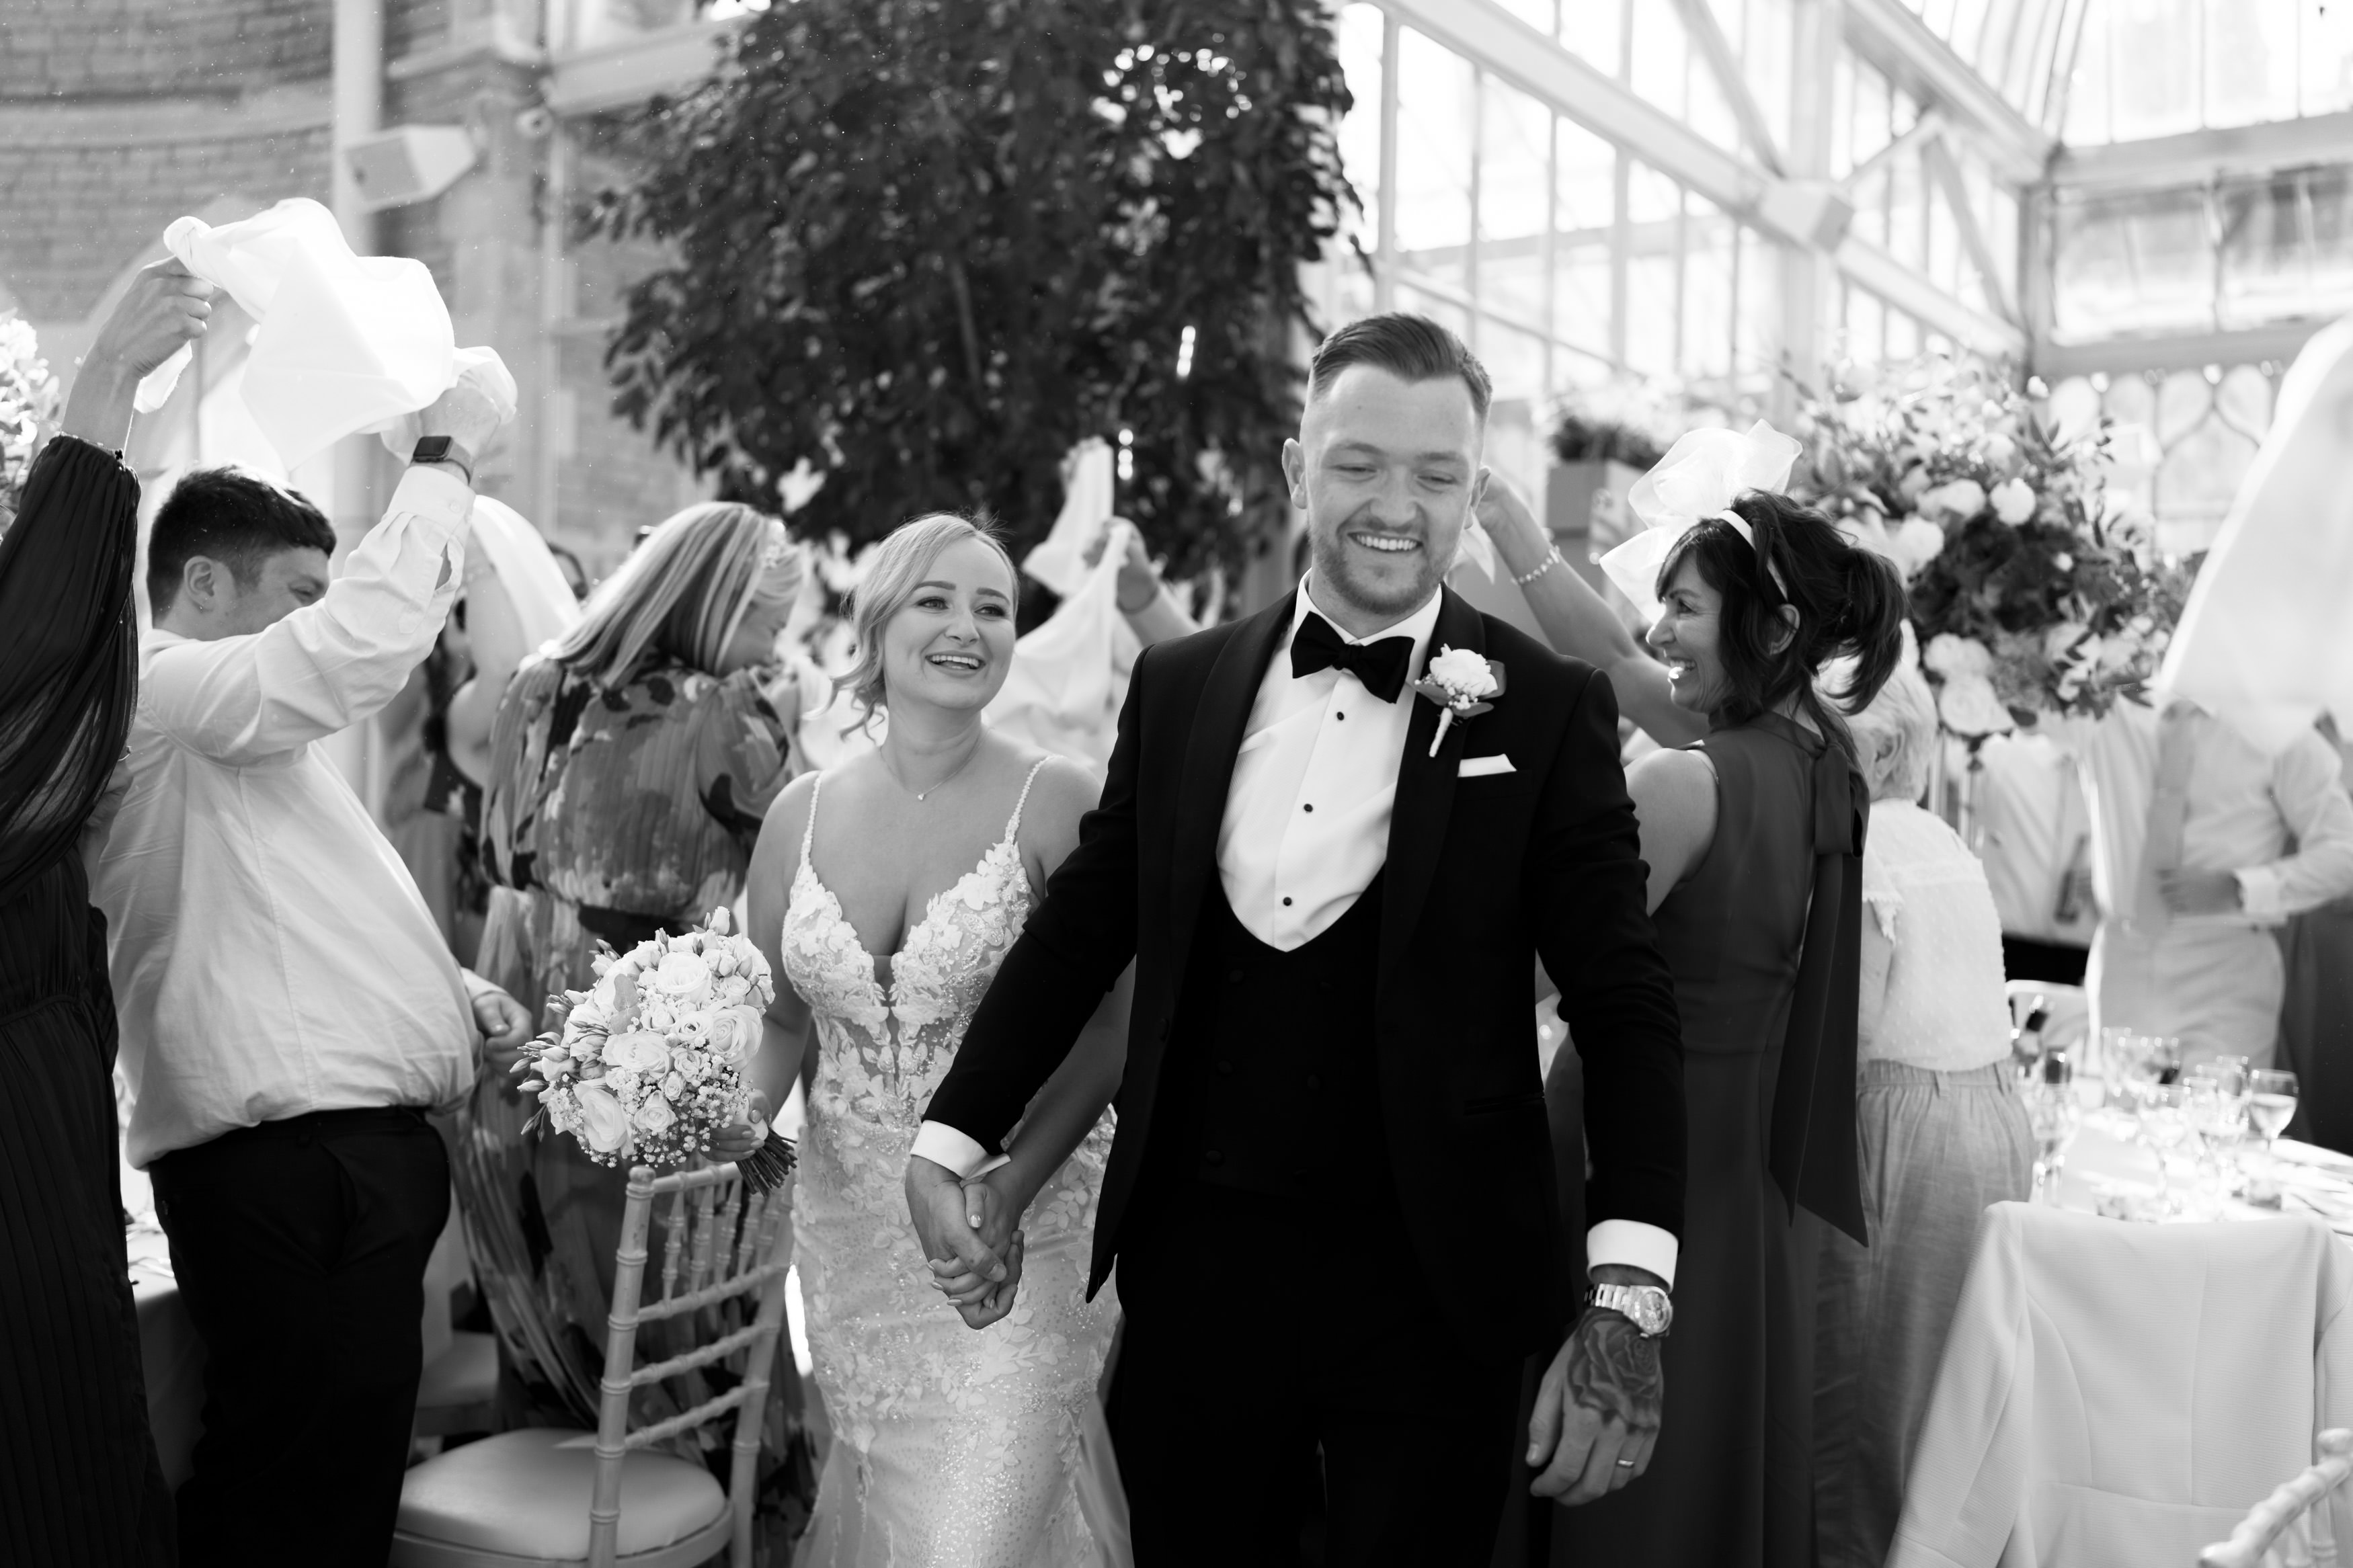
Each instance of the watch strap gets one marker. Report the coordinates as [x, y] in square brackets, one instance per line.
[444, 449]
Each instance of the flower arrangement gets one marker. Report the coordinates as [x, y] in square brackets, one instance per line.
[648, 1065]
[29, 400]
[1461, 682]
[2030, 592]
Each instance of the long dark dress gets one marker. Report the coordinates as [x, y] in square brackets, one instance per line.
[79, 1482]
[1731, 1483]
[2316, 1035]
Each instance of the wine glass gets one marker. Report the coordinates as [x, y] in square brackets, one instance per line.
[2271, 1105]
[2050, 1115]
[2165, 1123]
[2218, 1113]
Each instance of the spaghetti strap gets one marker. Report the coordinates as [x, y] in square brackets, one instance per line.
[1013, 824]
[809, 828]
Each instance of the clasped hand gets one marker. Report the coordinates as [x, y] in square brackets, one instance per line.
[966, 1231]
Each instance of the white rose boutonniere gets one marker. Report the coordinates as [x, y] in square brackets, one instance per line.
[1461, 682]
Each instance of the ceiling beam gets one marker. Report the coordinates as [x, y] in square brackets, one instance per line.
[1890, 38]
[1946, 169]
[2199, 155]
[1699, 21]
[1900, 285]
[2279, 343]
[1931, 123]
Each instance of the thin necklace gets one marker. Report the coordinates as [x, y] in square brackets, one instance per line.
[923, 794]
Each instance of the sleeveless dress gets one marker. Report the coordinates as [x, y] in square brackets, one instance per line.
[951, 1448]
[80, 1480]
[1730, 1483]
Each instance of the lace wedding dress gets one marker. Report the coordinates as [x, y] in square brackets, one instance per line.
[951, 1448]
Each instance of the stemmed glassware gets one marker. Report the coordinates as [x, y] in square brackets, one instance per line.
[2165, 1123]
[2051, 1114]
[2271, 1104]
[2217, 1114]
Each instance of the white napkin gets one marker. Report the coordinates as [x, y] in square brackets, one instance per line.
[347, 342]
[1069, 676]
[1060, 563]
[544, 608]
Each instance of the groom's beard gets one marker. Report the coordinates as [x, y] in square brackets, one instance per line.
[1396, 594]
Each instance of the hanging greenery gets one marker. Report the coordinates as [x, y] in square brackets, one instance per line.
[2030, 591]
[923, 247]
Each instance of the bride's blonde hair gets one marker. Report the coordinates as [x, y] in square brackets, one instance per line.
[899, 564]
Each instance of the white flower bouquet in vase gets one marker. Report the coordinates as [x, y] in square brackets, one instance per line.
[647, 1065]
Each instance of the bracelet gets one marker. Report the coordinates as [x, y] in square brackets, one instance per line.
[1552, 560]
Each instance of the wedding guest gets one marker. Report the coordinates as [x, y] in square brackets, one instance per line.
[1753, 835]
[1943, 1133]
[80, 1481]
[290, 1012]
[2316, 1038]
[2202, 846]
[630, 767]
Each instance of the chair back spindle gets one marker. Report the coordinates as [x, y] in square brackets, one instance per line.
[2277, 1532]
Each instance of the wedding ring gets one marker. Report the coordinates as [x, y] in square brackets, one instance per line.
[1625, 1463]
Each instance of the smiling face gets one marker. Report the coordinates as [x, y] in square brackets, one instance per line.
[1688, 635]
[1386, 470]
[951, 644]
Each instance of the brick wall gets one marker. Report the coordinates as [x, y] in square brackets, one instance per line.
[136, 48]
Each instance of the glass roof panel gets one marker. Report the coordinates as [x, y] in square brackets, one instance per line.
[2160, 67]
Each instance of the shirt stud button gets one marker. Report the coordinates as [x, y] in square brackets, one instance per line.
[1307, 808]
[1213, 1158]
[1226, 1068]
[1286, 903]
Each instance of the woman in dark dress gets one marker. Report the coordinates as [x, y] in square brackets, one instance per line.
[1754, 839]
[79, 1482]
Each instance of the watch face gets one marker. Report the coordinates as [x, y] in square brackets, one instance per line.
[1649, 1311]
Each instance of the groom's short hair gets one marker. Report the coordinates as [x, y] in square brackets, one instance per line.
[1410, 347]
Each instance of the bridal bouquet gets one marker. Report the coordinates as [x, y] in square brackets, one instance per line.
[647, 1065]
[2030, 592]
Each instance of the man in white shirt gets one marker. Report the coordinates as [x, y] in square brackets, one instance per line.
[1331, 1129]
[2200, 846]
[289, 1011]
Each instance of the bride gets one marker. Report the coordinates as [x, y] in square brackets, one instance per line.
[887, 891]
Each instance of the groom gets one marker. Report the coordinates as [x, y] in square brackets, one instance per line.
[1331, 1198]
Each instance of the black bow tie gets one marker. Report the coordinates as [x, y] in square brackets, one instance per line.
[1381, 666]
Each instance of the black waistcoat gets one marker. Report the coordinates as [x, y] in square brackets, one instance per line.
[1272, 1058]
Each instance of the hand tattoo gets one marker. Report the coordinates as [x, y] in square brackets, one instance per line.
[1614, 1371]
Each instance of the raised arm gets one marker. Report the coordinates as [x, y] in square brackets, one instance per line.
[1579, 623]
[494, 635]
[241, 699]
[166, 307]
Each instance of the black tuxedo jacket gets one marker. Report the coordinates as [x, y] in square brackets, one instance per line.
[1483, 873]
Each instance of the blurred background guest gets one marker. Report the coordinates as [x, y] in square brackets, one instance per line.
[2315, 1039]
[1943, 1135]
[80, 1481]
[630, 767]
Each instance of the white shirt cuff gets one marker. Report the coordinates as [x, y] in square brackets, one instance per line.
[432, 490]
[944, 1145]
[2260, 893]
[1632, 1245]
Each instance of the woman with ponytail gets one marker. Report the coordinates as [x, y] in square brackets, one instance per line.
[1753, 834]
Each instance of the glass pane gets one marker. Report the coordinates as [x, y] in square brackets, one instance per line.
[1536, 14]
[2154, 57]
[2087, 89]
[1514, 206]
[1445, 312]
[1360, 132]
[1663, 60]
[2287, 250]
[2244, 399]
[2183, 401]
[2201, 472]
[1580, 301]
[1761, 307]
[1866, 327]
[1585, 183]
[2326, 44]
[1594, 31]
[1514, 361]
[1435, 110]
[2134, 262]
[1764, 37]
[2251, 64]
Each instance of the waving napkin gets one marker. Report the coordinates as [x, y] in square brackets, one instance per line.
[1088, 497]
[2265, 644]
[347, 342]
[1070, 675]
[1701, 476]
[543, 605]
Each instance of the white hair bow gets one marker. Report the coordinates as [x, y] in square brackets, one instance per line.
[1699, 478]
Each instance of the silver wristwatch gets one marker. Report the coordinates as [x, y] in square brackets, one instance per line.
[1647, 1306]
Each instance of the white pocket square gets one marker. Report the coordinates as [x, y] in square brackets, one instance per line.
[1482, 767]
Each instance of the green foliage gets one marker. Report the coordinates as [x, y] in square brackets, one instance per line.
[927, 245]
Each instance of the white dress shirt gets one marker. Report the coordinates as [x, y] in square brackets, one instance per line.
[270, 953]
[1305, 831]
[2282, 826]
[1932, 989]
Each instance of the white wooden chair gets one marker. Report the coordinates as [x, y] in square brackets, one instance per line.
[545, 1495]
[2277, 1532]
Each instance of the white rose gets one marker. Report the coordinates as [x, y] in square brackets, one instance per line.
[734, 1035]
[603, 1124]
[683, 977]
[1957, 657]
[721, 957]
[718, 920]
[1959, 500]
[1915, 542]
[646, 954]
[2000, 451]
[655, 1115]
[732, 990]
[1460, 669]
[674, 1086]
[641, 1050]
[2014, 501]
[1969, 707]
